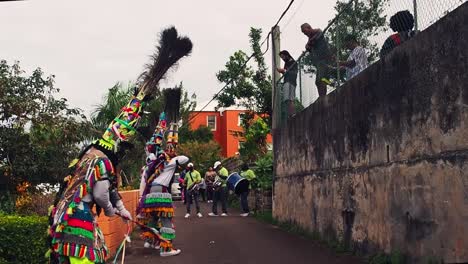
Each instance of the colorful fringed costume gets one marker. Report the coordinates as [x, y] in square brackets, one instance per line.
[155, 205]
[74, 234]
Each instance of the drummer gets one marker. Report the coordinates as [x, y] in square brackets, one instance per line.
[248, 174]
[221, 192]
[192, 179]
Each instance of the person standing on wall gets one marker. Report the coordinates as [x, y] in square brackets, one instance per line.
[210, 177]
[220, 189]
[357, 60]
[402, 23]
[321, 56]
[192, 181]
[290, 80]
[248, 174]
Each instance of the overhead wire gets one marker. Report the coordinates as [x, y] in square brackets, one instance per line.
[244, 64]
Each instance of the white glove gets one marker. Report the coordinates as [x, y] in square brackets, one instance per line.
[125, 214]
[123, 211]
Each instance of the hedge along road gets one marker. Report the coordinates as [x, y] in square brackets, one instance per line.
[232, 240]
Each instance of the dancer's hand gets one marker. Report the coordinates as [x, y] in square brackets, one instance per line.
[125, 214]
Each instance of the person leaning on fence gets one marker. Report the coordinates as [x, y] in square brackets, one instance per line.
[220, 189]
[290, 76]
[402, 23]
[321, 56]
[357, 60]
[192, 179]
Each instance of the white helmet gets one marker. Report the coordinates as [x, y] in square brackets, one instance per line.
[216, 164]
[190, 165]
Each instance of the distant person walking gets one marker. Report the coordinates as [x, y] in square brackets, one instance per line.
[357, 60]
[402, 23]
[321, 56]
[290, 80]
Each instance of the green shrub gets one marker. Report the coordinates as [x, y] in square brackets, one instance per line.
[23, 239]
[264, 172]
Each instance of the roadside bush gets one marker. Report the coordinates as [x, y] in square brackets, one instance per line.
[264, 172]
[34, 203]
[23, 239]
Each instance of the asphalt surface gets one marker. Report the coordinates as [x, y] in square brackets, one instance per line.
[234, 239]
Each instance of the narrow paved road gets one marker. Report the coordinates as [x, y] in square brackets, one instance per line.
[233, 240]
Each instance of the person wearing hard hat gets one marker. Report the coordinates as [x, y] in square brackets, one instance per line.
[192, 181]
[220, 189]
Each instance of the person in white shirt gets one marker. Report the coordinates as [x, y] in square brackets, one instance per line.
[357, 60]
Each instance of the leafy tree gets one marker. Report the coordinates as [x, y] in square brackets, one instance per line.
[364, 19]
[39, 134]
[254, 138]
[202, 134]
[202, 154]
[249, 88]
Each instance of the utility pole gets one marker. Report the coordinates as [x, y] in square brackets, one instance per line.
[276, 98]
[415, 11]
[276, 92]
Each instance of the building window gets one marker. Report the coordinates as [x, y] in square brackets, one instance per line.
[211, 122]
[240, 117]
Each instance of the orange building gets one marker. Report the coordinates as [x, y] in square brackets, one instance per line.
[222, 123]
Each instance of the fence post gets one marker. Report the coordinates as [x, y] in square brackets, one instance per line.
[299, 64]
[338, 49]
[415, 11]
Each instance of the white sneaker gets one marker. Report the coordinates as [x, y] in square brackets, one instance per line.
[244, 214]
[187, 215]
[171, 253]
[212, 214]
[224, 214]
[199, 215]
[147, 245]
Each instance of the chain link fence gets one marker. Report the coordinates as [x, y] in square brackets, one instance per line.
[361, 33]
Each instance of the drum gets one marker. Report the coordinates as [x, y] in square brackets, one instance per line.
[237, 184]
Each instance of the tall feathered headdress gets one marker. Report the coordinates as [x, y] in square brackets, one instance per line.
[169, 116]
[171, 48]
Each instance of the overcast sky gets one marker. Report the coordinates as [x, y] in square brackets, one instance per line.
[90, 45]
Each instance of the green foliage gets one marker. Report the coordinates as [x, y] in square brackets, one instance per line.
[395, 257]
[264, 172]
[202, 154]
[255, 135]
[202, 134]
[39, 134]
[7, 203]
[364, 19]
[23, 239]
[249, 88]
